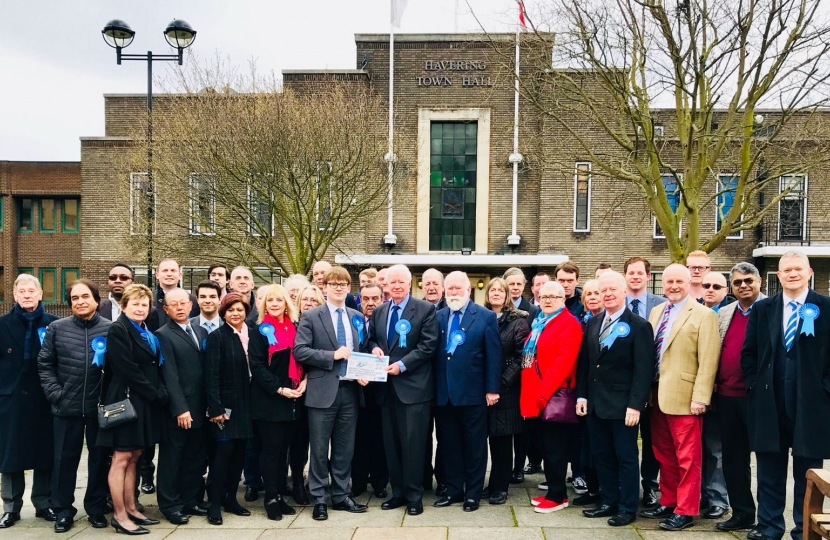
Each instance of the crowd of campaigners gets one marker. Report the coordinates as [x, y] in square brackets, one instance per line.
[232, 381]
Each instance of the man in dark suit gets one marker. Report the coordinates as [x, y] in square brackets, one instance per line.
[615, 373]
[119, 277]
[468, 380]
[785, 362]
[432, 285]
[326, 337]
[405, 330]
[516, 282]
[183, 446]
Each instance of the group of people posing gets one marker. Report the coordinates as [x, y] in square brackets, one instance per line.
[227, 380]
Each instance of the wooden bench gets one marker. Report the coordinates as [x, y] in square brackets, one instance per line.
[816, 524]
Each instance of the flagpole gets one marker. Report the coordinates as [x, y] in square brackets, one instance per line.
[390, 239]
[515, 158]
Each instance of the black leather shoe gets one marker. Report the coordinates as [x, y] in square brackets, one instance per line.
[530, 468]
[485, 493]
[320, 513]
[517, 477]
[9, 519]
[47, 513]
[134, 532]
[285, 508]
[235, 508]
[585, 499]
[736, 523]
[143, 521]
[215, 520]
[677, 522]
[470, 505]
[98, 521]
[602, 510]
[755, 534]
[713, 512]
[147, 486]
[299, 495]
[251, 494]
[194, 511]
[658, 512]
[63, 525]
[446, 501]
[622, 518]
[215, 514]
[415, 508]
[650, 499]
[178, 518]
[348, 505]
[498, 497]
[381, 493]
[394, 502]
[272, 509]
[440, 490]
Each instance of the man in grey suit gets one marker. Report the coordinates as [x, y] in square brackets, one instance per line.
[183, 446]
[405, 329]
[637, 272]
[326, 337]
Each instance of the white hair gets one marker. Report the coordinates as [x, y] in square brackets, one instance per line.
[794, 254]
[400, 268]
[27, 277]
[294, 278]
[554, 286]
[677, 266]
[458, 274]
[609, 274]
[242, 269]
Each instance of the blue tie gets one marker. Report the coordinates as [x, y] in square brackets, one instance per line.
[341, 338]
[393, 320]
[635, 306]
[455, 324]
[792, 325]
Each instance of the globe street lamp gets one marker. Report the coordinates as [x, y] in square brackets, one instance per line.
[179, 35]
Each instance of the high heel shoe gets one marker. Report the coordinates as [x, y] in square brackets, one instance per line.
[120, 529]
[143, 521]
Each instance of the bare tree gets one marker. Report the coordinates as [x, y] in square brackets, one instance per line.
[695, 104]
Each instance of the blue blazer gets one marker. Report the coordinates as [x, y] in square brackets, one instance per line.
[474, 369]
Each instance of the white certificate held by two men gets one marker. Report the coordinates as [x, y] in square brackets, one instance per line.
[367, 367]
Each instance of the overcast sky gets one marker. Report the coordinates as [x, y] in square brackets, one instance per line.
[55, 67]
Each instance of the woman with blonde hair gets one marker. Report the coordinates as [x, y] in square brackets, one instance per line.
[310, 297]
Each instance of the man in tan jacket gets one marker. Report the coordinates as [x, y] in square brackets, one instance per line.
[687, 345]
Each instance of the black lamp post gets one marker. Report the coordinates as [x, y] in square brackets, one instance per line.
[180, 36]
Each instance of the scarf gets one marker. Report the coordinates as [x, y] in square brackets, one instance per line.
[285, 332]
[539, 323]
[29, 318]
[151, 340]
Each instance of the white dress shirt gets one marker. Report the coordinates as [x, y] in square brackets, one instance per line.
[116, 307]
[347, 324]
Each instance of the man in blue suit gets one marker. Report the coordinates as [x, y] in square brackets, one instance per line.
[468, 379]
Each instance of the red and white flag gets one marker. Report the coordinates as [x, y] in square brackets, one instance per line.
[397, 12]
[522, 18]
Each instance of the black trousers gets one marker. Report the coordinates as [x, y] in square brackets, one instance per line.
[404, 438]
[298, 453]
[501, 462]
[462, 436]
[772, 491]
[649, 466]
[252, 472]
[529, 447]
[736, 454]
[225, 470]
[615, 457]
[369, 460]
[69, 444]
[276, 439]
[146, 467]
[555, 441]
[429, 469]
[180, 467]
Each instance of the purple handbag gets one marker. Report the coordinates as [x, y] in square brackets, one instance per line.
[561, 406]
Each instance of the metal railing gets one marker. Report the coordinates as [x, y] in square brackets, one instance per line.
[785, 232]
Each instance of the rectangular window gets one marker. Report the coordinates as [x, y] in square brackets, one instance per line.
[141, 194]
[323, 202]
[452, 185]
[70, 215]
[259, 208]
[202, 204]
[656, 284]
[48, 280]
[582, 197]
[47, 215]
[25, 270]
[792, 208]
[672, 196]
[727, 185]
[25, 215]
[68, 275]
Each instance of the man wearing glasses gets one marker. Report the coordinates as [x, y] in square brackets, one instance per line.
[120, 276]
[699, 265]
[714, 291]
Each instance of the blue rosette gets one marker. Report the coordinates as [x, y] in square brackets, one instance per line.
[458, 337]
[99, 347]
[267, 330]
[41, 334]
[359, 325]
[808, 314]
[402, 328]
[619, 330]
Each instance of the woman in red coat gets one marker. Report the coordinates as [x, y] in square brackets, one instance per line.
[549, 363]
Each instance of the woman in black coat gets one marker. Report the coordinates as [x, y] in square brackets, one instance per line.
[227, 379]
[504, 418]
[277, 390]
[132, 369]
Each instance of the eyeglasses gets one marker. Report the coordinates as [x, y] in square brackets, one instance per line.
[338, 285]
[745, 281]
[714, 286]
[120, 277]
[175, 305]
[546, 297]
[698, 268]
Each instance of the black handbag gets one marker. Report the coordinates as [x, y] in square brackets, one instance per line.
[116, 414]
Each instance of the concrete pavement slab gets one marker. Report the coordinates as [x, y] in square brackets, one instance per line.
[496, 533]
[398, 533]
[375, 517]
[455, 516]
[344, 533]
[609, 533]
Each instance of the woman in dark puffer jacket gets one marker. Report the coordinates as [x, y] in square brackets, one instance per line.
[504, 419]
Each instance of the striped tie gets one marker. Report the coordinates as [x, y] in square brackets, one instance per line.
[658, 339]
[606, 326]
[792, 325]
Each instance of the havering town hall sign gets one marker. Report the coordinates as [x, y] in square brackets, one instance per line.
[469, 79]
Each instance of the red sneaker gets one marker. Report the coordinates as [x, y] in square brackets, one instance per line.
[546, 506]
[536, 501]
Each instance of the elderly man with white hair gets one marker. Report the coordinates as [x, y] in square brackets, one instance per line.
[468, 380]
[25, 417]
